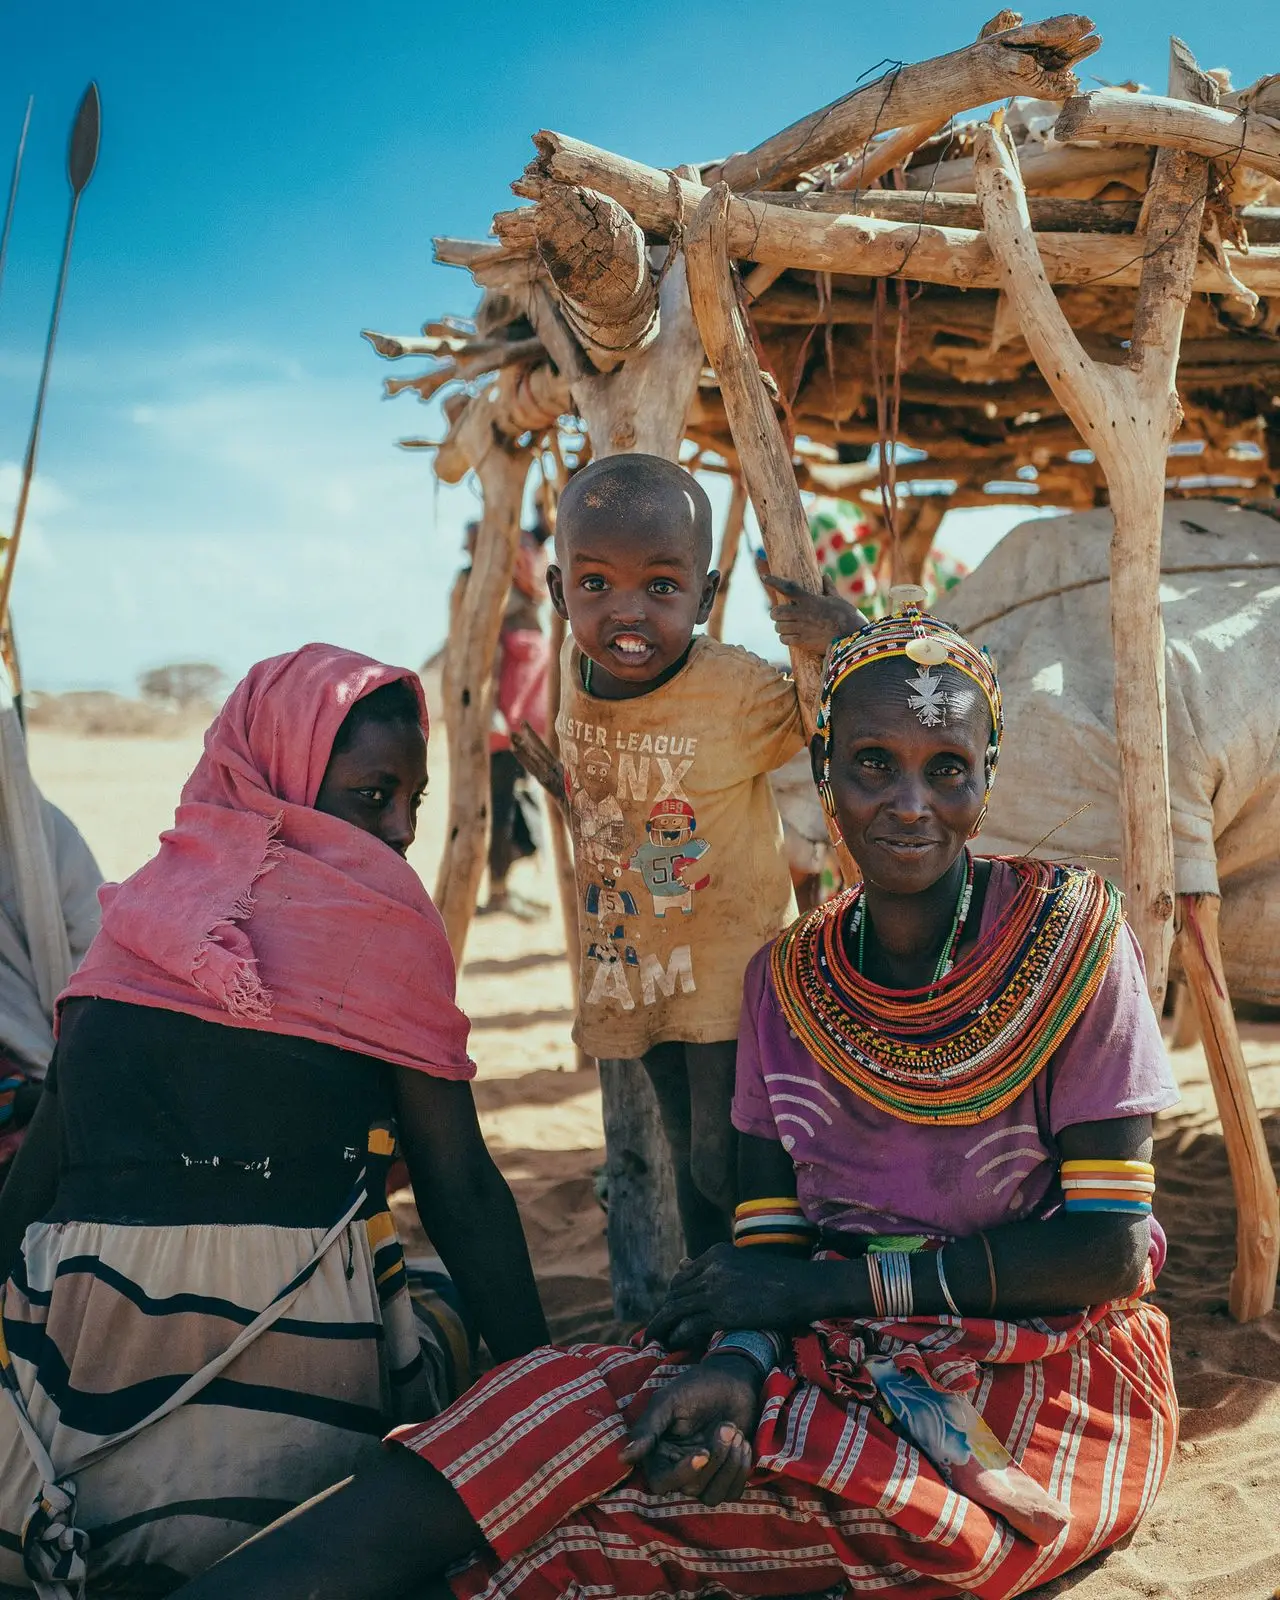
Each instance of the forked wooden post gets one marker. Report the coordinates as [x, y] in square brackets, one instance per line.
[911, 554]
[1253, 1283]
[1127, 415]
[730, 541]
[502, 470]
[757, 435]
[640, 406]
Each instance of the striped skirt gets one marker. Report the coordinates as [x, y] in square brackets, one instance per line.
[104, 1321]
[837, 1497]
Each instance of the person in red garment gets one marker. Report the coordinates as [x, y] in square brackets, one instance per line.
[930, 1368]
[207, 1314]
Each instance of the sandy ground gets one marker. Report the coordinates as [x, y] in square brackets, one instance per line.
[1215, 1531]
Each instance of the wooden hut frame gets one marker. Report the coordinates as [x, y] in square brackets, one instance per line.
[1084, 319]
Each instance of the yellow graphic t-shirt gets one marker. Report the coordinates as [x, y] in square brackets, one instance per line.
[677, 844]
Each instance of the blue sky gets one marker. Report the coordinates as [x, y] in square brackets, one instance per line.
[218, 479]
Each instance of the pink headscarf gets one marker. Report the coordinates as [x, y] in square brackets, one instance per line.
[261, 912]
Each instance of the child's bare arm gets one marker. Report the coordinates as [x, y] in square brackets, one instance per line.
[808, 621]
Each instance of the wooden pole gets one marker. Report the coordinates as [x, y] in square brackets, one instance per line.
[1202, 129]
[1127, 415]
[1253, 1282]
[915, 543]
[763, 456]
[888, 154]
[561, 846]
[502, 469]
[730, 541]
[645, 1243]
[643, 406]
[789, 236]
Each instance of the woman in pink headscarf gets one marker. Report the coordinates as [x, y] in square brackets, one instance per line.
[207, 1314]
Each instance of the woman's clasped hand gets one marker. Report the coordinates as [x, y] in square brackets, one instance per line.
[695, 1435]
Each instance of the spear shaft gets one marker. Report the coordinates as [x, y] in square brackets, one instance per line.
[37, 420]
[13, 186]
[81, 160]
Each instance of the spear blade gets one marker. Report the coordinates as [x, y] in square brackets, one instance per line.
[82, 153]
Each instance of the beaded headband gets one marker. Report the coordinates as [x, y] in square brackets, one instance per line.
[926, 642]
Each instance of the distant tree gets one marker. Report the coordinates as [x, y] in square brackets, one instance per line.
[182, 683]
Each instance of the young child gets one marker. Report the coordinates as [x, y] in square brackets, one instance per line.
[667, 741]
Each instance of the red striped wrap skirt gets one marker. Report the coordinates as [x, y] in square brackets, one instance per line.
[837, 1498]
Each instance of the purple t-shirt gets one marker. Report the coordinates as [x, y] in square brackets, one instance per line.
[861, 1170]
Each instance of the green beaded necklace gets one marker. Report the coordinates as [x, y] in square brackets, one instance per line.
[947, 957]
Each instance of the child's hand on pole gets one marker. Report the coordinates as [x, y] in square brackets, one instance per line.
[808, 621]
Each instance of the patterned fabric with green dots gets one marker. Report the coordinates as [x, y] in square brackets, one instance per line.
[857, 562]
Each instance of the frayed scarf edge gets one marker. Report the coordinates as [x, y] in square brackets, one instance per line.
[244, 994]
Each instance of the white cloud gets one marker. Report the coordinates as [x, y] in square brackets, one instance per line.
[230, 506]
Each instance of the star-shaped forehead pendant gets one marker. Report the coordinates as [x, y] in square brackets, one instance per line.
[928, 699]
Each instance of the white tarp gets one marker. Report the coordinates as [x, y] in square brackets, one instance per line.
[1041, 603]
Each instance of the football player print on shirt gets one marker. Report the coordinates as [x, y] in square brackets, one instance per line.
[670, 862]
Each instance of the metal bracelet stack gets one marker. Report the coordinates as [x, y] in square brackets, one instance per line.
[889, 1274]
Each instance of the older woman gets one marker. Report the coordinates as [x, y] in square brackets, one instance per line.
[207, 1311]
[940, 1375]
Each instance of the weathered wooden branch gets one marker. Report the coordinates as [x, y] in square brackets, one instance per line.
[645, 1244]
[643, 405]
[392, 346]
[465, 252]
[763, 457]
[1035, 59]
[541, 763]
[502, 470]
[530, 399]
[910, 551]
[886, 154]
[785, 236]
[1127, 415]
[790, 304]
[1229, 137]
[595, 255]
[1042, 169]
[1049, 214]
[558, 826]
[730, 540]
[1253, 1282]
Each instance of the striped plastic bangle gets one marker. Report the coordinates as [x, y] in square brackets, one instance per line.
[1108, 1185]
[777, 1220]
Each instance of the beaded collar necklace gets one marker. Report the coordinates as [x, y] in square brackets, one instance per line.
[962, 1049]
